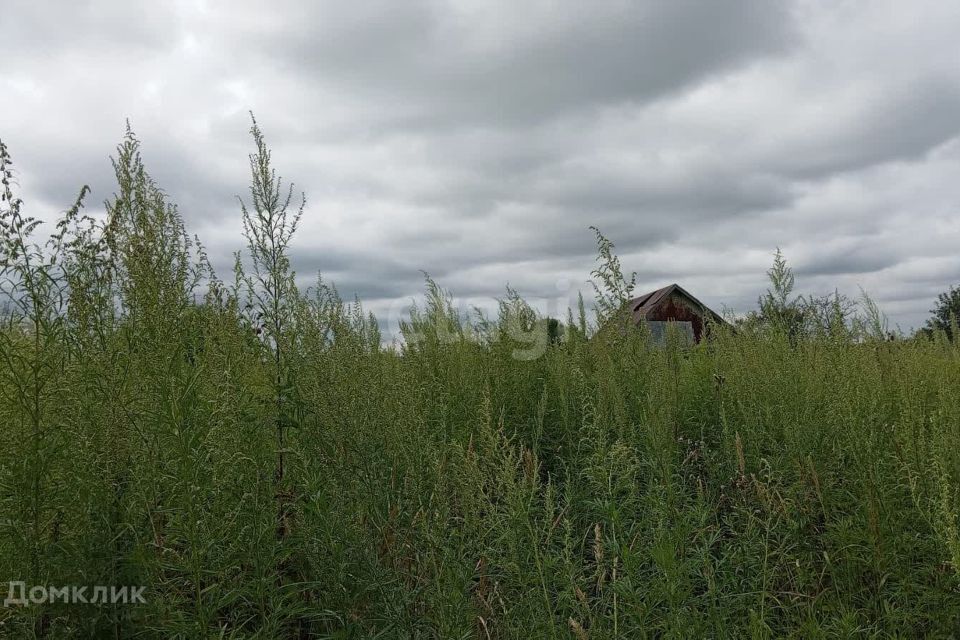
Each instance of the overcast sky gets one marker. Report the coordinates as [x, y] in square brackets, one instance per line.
[478, 140]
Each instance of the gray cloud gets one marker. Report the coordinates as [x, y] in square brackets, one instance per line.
[903, 123]
[519, 63]
[479, 140]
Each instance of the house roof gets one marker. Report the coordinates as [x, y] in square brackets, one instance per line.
[642, 306]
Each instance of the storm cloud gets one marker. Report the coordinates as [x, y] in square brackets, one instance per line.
[478, 141]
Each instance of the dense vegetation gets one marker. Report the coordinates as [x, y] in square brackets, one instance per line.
[253, 455]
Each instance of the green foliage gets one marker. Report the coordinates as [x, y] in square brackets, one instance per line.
[260, 462]
[272, 299]
[778, 310]
[946, 314]
[611, 287]
[797, 318]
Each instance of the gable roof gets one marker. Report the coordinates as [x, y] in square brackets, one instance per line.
[642, 306]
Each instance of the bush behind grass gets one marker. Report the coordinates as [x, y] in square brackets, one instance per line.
[256, 458]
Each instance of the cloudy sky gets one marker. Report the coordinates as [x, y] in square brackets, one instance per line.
[478, 140]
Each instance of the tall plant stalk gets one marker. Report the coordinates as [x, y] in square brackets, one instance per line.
[269, 225]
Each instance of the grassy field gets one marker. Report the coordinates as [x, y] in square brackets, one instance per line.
[253, 456]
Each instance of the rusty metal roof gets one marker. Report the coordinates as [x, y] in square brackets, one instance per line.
[642, 306]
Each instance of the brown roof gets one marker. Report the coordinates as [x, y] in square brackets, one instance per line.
[642, 306]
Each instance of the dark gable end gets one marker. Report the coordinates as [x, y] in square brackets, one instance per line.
[673, 303]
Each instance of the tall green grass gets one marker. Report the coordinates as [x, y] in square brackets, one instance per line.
[254, 456]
